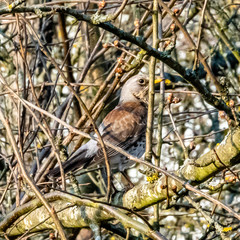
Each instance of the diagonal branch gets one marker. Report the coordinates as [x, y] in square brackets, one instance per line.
[74, 212]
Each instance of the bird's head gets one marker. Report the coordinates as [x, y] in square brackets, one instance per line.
[135, 89]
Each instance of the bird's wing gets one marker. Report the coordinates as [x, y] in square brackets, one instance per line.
[79, 159]
[122, 127]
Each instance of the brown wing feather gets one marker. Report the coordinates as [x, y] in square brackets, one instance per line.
[123, 126]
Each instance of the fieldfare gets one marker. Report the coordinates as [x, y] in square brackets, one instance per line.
[124, 126]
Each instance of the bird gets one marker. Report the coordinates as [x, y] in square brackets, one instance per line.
[218, 64]
[124, 126]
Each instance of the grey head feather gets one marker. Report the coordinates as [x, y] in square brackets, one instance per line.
[132, 88]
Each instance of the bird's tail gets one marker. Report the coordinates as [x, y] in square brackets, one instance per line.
[78, 160]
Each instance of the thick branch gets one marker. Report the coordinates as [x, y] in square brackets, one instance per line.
[148, 194]
[73, 212]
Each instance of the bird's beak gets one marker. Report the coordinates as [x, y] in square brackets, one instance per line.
[158, 80]
[143, 94]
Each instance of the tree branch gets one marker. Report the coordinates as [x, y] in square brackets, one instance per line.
[189, 75]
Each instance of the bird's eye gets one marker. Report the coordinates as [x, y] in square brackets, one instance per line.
[141, 81]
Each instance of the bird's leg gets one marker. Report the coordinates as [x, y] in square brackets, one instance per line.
[129, 185]
[104, 178]
[113, 189]
[74, 183]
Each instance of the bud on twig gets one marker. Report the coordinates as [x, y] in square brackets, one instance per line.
[174, 188]
[192, 145]
[101, 5]
[166, 43]
[231, 103]
[119, 70]
[172, 27]
[120, 61]
[137, 23]
[222, 114]
[105, 45]
[52, 236]
[176, 100]
[170, 98]
[163, 186]
[176, 12]
[115, 43]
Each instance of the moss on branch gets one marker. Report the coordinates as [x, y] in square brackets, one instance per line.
[76, 212]
[228, 152]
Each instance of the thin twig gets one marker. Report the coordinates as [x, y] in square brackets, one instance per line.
[151, 92]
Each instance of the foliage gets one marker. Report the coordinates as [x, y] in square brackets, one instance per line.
[63, 61]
